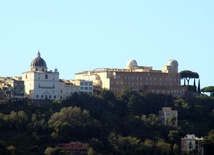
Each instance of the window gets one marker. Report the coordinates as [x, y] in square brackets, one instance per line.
[25, 76]
[46, 76]
[41, 96]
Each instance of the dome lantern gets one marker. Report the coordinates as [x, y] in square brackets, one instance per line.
[38, 64]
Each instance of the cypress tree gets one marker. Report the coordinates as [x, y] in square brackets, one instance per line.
[199, 87]
[194, 89]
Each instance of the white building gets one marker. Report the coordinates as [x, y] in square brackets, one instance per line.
[43, 84]
[169, 117]
[192, 144]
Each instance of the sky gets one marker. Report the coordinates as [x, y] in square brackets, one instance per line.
[78, 35]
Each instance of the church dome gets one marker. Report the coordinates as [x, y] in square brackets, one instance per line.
[131, 64]
[172, 63]
[38, 63]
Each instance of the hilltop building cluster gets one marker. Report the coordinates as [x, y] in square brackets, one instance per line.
[41, 83]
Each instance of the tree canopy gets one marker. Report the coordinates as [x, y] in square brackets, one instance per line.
[209, 89]
[187, 75]
[108, 124]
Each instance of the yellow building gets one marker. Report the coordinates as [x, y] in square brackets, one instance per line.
[11, 88]
[139, 78]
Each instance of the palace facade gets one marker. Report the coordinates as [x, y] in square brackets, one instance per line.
[138, 78]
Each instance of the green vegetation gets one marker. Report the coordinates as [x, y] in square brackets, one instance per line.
[209, 89]
[120, 125]
[187, 75]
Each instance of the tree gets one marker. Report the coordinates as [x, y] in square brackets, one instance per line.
[209, 89]
[95, 146]
[187, 75]
[174, 136]
[163, 147]
[125, 145]
[50, 151]
[55, 151]
[208, 142]
[107, 95]
[12, 150]
[148, 146]
[176, 149]
[135, 105]
[199, 86]
[71, 122]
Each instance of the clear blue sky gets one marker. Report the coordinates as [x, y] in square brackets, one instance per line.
[75, 36]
